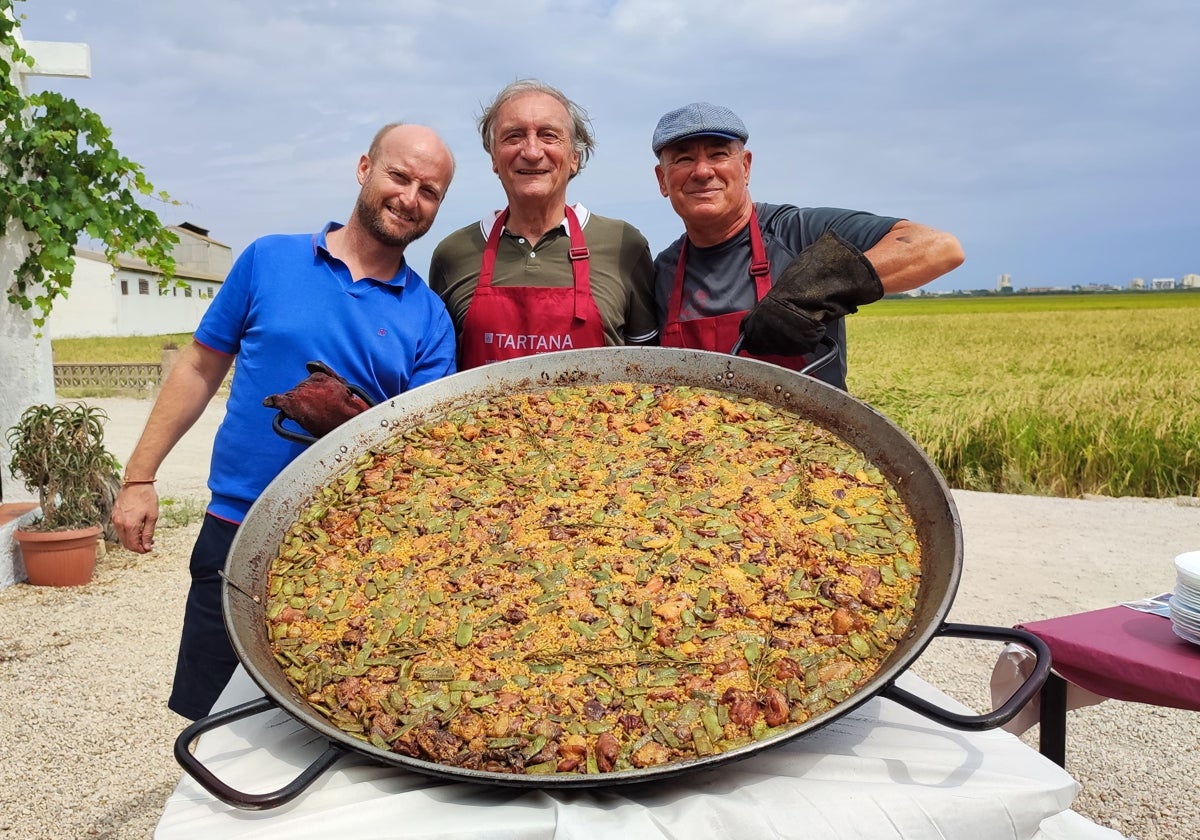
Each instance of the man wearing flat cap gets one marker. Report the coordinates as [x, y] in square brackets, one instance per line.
[773, 281]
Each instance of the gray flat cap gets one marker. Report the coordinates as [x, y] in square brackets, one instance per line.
[700, 119]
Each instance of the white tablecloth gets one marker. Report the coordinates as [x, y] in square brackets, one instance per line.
[878, 772]
[1014, 666]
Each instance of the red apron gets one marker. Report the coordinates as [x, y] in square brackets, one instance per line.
[508, 322]
[720, 333]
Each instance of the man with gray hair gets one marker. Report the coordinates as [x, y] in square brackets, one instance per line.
[713, 286]
[541, 275]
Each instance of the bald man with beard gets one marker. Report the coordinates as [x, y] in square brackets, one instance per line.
[344, 295]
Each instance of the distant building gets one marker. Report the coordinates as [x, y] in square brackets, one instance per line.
[1190, 281]
[1047, 290]
[1137, 283]
[128, 301]
[1161, 283]
[1004, 283]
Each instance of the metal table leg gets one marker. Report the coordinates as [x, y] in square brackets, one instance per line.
[1052, 724]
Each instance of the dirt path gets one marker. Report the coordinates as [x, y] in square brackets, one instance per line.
[184, 473]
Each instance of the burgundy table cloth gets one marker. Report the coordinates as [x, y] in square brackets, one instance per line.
[1124, 654]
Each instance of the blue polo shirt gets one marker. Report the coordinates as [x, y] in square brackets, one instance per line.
[288, 301]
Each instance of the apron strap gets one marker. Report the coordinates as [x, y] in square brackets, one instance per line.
[760, 266]
[578, 254]
[487, 267]
[760, 269]
[580, 261]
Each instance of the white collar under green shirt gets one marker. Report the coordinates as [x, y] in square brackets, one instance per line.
[486, 223]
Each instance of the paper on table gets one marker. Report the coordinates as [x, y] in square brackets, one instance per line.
[1158, 605]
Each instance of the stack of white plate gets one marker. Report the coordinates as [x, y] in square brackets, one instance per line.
[1185, 604]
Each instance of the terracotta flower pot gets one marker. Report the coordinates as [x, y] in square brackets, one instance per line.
[59, 558]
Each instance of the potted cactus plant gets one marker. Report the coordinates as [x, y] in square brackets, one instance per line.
[58, 451]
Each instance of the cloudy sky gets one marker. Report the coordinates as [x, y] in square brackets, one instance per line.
[1058, 140]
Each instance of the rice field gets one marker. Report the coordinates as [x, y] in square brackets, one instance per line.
[1049, 395]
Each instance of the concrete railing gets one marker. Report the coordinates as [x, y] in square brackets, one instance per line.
[137, 377]
[141, 376]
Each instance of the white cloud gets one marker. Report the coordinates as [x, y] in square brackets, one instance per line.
[995, 120]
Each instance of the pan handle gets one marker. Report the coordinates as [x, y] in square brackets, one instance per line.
[290, 434]
[997, 717]
[828, 346]
[236, 798]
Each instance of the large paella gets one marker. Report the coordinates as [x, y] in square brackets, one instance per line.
[593, 578]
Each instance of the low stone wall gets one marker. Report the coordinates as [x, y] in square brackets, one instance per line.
[125, 377]
[105, 376]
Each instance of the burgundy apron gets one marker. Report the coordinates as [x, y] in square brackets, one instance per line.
[720, 333]
[508, 322]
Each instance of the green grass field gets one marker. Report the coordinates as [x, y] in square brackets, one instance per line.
[1059, 395]
[1054, 395]
[137, 349]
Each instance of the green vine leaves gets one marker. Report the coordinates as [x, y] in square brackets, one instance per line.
[63, 179]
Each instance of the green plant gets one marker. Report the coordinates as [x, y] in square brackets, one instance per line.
[63, 178]
[179, 513]
[58, 450]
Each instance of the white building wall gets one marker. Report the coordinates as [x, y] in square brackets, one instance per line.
[104, 302]
[90, 307]
[201, 253]
[168, 310]
[97, 307]
[26, 365]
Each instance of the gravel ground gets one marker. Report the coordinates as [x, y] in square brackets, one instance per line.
[1029, 558]
[84, 676]
[84, 672]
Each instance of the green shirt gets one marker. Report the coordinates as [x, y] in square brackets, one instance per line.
[620, 271]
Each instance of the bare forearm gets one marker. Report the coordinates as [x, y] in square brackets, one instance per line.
[911, 255]
[184, 396]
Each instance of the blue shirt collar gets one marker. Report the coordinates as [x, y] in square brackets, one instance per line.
[321, 246]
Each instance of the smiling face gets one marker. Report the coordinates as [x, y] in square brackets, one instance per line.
[533, 151]
[707, 180]
[404, 179]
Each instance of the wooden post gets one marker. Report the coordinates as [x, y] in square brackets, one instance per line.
[170, 354]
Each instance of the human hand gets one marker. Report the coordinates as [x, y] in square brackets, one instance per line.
[826, 281]
[776, 327]
[134, 516]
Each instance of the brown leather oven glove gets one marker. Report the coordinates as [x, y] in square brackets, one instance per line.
[320, 403]
[826, 281]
